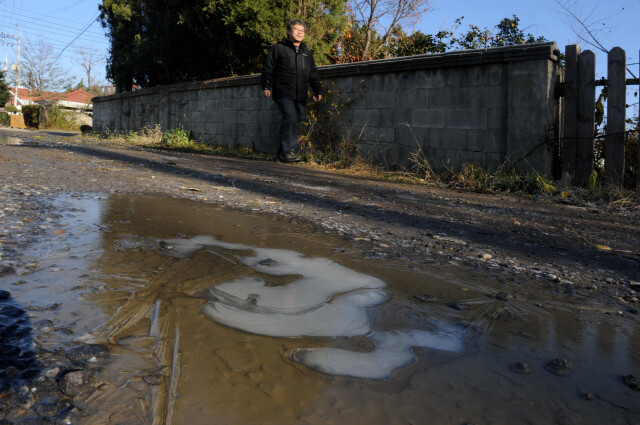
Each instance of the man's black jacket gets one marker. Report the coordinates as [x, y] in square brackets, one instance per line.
[289, 74]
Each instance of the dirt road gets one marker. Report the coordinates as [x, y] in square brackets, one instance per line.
[585, 249]
[573, 268]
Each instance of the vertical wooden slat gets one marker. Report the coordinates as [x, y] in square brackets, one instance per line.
[616, 110]
[586, 116]
[558, 129]
[570, 110]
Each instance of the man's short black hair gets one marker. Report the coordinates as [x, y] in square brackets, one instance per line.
[293, 22]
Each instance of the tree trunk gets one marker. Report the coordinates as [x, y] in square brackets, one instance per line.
[366, 52]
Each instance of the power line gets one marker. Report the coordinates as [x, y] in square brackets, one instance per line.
[64, 34]
[61, 43]
[86, 28]
[65, 8]
[58, 22]
[20, 12]
[42, 23]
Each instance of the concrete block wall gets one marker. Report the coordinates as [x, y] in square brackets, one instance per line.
[485, 107]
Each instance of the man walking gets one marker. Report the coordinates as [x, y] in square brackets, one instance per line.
[288, 72]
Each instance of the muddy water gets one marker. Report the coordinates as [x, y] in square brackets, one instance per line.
[136, 274]
[9, 140]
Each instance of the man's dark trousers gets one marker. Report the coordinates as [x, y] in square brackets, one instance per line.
[292, 113]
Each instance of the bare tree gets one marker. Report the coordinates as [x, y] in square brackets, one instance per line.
[44, 74]
[88, 59]
[383, 16]
[587, 28]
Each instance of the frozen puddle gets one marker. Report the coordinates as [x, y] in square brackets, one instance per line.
[392, 351]
[271, 322]
[327, 300]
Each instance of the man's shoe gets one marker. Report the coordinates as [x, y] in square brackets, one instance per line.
[289, 157]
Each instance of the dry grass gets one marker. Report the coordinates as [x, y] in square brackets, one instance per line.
[345, 158]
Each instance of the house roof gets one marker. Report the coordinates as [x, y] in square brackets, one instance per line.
[75, 96]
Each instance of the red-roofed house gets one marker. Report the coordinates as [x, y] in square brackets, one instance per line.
[76, 99]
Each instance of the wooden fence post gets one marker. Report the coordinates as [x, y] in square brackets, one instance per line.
[570, 110]
[586, 116]
[616, 110]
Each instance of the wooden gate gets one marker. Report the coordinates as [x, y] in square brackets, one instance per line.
[578, 116]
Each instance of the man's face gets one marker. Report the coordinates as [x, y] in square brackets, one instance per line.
[296, 33]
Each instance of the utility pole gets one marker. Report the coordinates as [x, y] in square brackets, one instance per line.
[3, 36]
[15, 97]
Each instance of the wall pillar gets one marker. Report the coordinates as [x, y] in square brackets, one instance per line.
[530, 114]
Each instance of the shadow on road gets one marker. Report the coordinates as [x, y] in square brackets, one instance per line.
[556, 246]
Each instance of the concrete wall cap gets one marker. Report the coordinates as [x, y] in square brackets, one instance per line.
[486, 56]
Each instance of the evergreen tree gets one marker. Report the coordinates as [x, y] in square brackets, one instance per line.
[420, 43]
[509, 34]
[5, 94]
[173, 41]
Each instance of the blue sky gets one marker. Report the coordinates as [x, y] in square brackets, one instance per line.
[547, 18]
[61, 23]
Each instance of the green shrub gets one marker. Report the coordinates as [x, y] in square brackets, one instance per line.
[178, 138]
[10, 108]
[59, 119]
[505, 179]
[31, 115]
[5, 120]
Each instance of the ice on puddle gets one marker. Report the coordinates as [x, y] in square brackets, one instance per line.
[329, 300]
[392, 351]
[344, 316]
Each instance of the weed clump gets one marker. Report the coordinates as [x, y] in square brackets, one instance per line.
[177, 139]
[504, 179]
[326, 139]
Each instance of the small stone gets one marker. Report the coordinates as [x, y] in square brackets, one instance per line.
[12, 311]
[24, 398]
[502, 296]
[166, 246]
[11, 372]
[486, 256]
[267, 262]
[74, 383]
[460, 306]
[4, 294]
[53, 372]
[561, 367]
[588, 396]
[70, 416]
[631, 382]
[152, 379]
[85, 352]
[522, 368]
[6, 270]
[425, 298]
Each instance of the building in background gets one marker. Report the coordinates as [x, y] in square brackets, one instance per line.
[78, 99]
